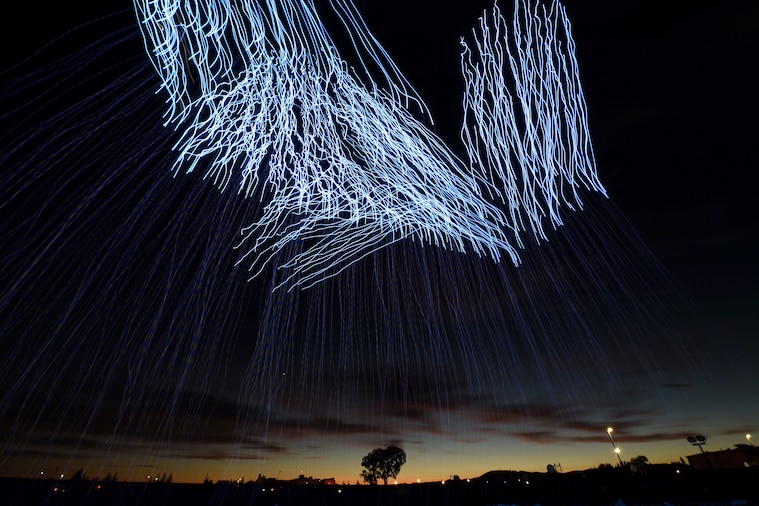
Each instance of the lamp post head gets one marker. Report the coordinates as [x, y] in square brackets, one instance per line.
[609, 430]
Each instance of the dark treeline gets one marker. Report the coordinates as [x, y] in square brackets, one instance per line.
[658, 484]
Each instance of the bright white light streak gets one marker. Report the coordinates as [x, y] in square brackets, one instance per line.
[264, 101]
[525, 118]
[343, 168]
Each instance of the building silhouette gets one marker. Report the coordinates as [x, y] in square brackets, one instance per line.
[741, 456]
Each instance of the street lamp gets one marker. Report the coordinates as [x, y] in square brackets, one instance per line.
[609, 430]
[699, 441]
[748, 438]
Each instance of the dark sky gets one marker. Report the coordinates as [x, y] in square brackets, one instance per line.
[672, 108]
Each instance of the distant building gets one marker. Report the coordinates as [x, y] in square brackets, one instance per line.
[300, 481]
[742, 455]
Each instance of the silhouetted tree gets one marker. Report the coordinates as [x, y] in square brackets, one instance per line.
[111, 478]
[79, 476]
[382, 463]
[638, 464]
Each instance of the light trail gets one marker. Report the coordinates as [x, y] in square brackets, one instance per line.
[525, 121]
[265, 101]
[121, 282]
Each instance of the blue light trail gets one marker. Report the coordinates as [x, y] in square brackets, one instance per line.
[264, 101]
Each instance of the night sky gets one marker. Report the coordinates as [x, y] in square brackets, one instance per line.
[670, 88]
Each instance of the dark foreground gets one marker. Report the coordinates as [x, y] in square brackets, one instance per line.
[658, 484]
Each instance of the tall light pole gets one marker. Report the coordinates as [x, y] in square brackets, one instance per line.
[609, 430]
[700, 441]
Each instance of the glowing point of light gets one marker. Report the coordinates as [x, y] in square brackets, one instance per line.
[609, 430]
[617, 450]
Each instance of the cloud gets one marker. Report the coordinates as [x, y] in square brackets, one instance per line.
[741, 431]
[549, 423]
[552, 437]
[679, 386]
[214, 456]
[264, 446]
